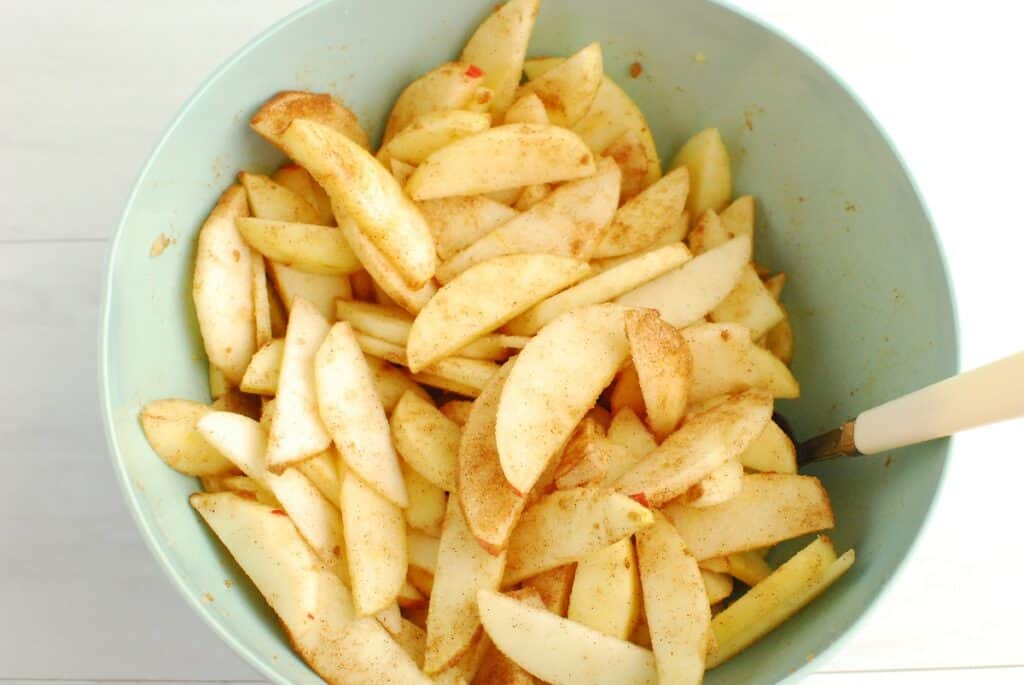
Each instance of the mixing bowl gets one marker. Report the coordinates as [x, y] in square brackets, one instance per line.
[868, 295]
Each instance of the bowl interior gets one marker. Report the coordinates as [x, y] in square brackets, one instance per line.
[868, 294]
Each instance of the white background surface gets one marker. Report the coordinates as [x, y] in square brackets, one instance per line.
[88, 86]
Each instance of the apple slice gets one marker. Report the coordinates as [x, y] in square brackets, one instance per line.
[770, 508]
[509, 156]
[718, 586]
[557, 378]
[738, 217]
[601, 287]
[554, 588]
[312, 603]
[391, 383]
[748, 567]
[498, 669]
[639, 222]
[527, 109]
[422, 551]
[751, 305]
[560, 651]
[598, 518]
[272, 201]
[498, 47]
[457, 410]
[630, 154]
[369, 194]
[170, 428]
[707, 159]
[264, 369]
[585, 458]
[323, 472]
[297, 431]
[262, 318]
[463, 568]
[375, 545]
[628, 433]
[611, 114]
[490, 505]
[606, 590]
[675, 603]
[704, 441]
[298, 180]
[277, 114]
[222, 287]
[569, 89]
[447, 87]
[569, 222]
[427, 440]
[772, 375]
[320, 290]
[385, 275]
[431, 131]
[771, 451]
[426, 502]
[687, 294]
[719, 486]
[458, 222]
[664, 368]
[481, 299]
[787, 590]
[307, 247]
[354, 416]
[722, 361]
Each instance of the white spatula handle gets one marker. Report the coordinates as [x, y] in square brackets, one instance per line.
[975, 398]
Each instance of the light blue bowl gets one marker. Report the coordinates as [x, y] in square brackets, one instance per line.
[869, 295]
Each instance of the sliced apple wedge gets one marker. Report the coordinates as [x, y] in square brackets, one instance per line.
[772, 375]
[557, 378]
[422, 551]
[323, 471]
[298, 180]
[427, 440]
[719, 486]
[369, 194]
[569, 89]
[630, 154]
[463, 568]
[771, 451]
[707, 159]
[770, 508]
[787, 590]
[274, 202]
[739, 216]
[482, 298]
[628, 433]
[320, 290]
[312, 603]
[447, 87]
[611, 114]
[687, 294]
[277, 114]
[509, 156]
[599, 518]
[569, 222]
[498, 47]
[639, 222]
[354, 416]
[222, 287]
[751, 305]
[664, 367]
[264, 369]
[490, 505]
[554, 588]
[675, 604]
[528, 109]
[560, 651]
[262, 318]
[458, 222]
[722, 362]
[297, 431]
[307, 247]
[384, 274]
[426, 503]
[498, 669]
[170, 428]
[718, 586]
[431, 131]
[375, 545]
[606, 590]
[704, 441]
[748, 567]
[601, 287]
[391, 383]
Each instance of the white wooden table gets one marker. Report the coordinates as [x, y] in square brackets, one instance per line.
[86, 87]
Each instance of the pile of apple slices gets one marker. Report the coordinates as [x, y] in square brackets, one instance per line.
[485, 408]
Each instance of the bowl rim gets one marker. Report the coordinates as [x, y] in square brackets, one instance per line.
[148, 530]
